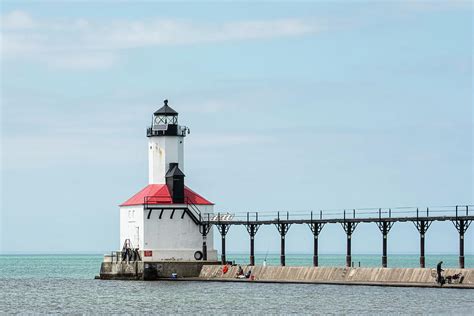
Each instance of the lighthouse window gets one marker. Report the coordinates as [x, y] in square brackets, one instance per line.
[163, 119]
[160, 120]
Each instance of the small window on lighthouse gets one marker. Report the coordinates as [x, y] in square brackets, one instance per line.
[161, 119]
[165, 119]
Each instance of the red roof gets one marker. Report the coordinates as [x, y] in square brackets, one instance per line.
[159, 194]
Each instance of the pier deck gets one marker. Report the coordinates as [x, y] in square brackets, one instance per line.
[393, 277]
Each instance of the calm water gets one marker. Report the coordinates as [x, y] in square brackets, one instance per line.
[65, 284]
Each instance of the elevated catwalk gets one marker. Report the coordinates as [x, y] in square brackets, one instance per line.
[460, 215]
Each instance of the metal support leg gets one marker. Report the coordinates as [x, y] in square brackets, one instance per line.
[384, 227]
[252, 250]
[349, 228]
[282, 251]
[252, 230]
[315, 251]
[422, 250]
[204, 230]
[204, 249]
[223, 229]
[282, 229]
[461, 225]
[422, 226]
[316, 228]
[348, 251]
[223, 258]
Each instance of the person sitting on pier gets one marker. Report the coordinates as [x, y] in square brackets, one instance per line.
[240, 273]
[248, 274]
[455, 278]
[440, 279]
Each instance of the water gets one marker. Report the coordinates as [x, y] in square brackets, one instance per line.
[65, 284]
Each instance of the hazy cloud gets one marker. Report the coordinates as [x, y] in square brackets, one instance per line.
[17, 20]
[86, 44]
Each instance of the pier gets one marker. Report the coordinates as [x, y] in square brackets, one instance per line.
[460, 215]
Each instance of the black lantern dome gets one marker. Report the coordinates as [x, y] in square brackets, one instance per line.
[166, 110]
[165, 123]
[165, 115]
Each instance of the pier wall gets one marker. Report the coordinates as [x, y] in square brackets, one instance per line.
[338, 275]
[140, 270]
[121, 270]
[212, 271]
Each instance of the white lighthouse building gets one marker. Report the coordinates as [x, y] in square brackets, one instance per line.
[163, 219]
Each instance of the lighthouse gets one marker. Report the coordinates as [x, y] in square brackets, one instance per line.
[162, 222]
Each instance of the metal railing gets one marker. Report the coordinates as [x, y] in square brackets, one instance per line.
[193, 209]
[345, 214]
[178, 131]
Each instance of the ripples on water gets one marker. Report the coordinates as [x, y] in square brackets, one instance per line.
[64, 284]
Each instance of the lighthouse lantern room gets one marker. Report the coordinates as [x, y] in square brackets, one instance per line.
[162, 221]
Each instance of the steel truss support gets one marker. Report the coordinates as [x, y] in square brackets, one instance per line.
[282, 229]
[349, 228]
[252, 230]
[223, 229]
[204, 229]
[422, 227]
[316, 229]
[461, 225]
[384, 227]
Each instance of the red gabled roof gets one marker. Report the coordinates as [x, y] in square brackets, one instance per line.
[159, 194]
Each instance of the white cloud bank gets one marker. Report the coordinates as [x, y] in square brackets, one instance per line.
[87, 44]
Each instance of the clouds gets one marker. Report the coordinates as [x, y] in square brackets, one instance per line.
[17, 20]
[93, 44]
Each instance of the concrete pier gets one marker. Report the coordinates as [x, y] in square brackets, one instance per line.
[414, 277]
[212, 271]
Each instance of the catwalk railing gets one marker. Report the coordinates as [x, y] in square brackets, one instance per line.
[460, 215]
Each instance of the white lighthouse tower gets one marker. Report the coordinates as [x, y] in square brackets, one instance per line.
[163, 219]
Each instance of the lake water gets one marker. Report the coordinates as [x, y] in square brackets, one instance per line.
[65, 284]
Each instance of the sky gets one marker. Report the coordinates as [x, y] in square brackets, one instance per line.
[292, 107]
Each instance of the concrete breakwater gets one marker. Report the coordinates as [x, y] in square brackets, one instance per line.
[339, 275]
[213, 271]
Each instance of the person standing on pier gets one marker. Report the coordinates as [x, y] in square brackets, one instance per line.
[440, 278]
